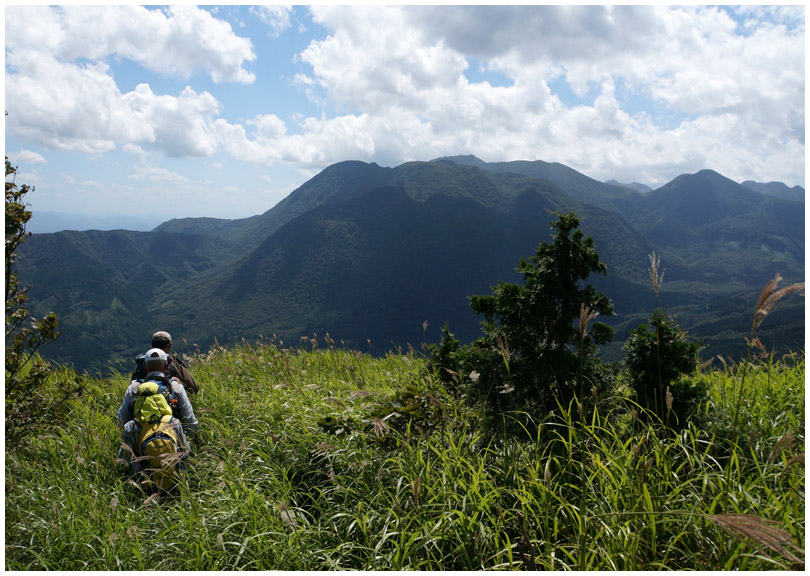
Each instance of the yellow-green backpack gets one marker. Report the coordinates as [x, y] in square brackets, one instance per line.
[158, 441]
[160, 447]
[150, 403]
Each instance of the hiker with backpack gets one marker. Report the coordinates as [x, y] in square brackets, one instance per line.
[175, 369]
[156, 417]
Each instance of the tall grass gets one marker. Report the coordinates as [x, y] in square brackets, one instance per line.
[292, 471]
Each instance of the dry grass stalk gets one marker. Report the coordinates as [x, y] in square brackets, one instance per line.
[785, 442]
[417, 488]
[769, 296]
[453, 375]
[505, 388]
[171, 459]
[585, 317]
[333, 400]
[503, 346]
[656, 277]
[287, 516]
[380, 427]
[764, 532]
[756, 343]
[798, 460]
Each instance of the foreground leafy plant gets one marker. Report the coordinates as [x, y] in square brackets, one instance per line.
[765, 303]
[26, 373]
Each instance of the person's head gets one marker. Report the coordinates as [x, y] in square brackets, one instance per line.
[155, 360]
[162, 340]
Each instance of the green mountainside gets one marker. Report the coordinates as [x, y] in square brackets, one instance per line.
[382, 258]
[336, 183]
[777, 190]
[575, 184]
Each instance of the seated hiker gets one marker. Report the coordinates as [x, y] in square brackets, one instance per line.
[176, 368]
[155, 417]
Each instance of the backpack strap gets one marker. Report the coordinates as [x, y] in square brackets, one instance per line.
[165, 388]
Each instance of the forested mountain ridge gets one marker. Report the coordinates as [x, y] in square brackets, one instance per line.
[371, 253]
[335, 183]
[777, 190]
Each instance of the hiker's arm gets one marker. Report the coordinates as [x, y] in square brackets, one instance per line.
[185, 377]
[181, 435]
[130, 440]
[125, 411]
[186, 412]
[192, 384]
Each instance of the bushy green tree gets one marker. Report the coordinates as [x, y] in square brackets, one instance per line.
[26, 372]
[659, 356]
[538, 347]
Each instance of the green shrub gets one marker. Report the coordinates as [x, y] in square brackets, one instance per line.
[659, 356]
[539, 347]
[32, 396]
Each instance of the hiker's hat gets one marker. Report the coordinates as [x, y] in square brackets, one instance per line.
[161, 337]
[156, 354]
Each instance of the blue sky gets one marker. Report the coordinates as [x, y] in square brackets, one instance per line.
[224, 110]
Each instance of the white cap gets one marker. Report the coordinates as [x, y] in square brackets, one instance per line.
[155, 354]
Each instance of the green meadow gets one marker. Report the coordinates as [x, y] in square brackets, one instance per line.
[317, 457]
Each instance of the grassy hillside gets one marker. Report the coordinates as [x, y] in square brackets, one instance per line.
[323, 458]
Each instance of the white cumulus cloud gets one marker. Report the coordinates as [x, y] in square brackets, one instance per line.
[28, 157]
[178, 40]
[736, 96]
[276, 17]
[640, 93]
[61, 93]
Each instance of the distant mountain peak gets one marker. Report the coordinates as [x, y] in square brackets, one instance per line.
[704, 177]
[637, 186]
[465, 160]
[777, 190]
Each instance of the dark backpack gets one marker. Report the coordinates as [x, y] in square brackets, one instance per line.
[140, 367]
[140, 370]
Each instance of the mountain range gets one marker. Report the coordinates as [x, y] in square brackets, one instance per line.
[382, 258]
[44, 221]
